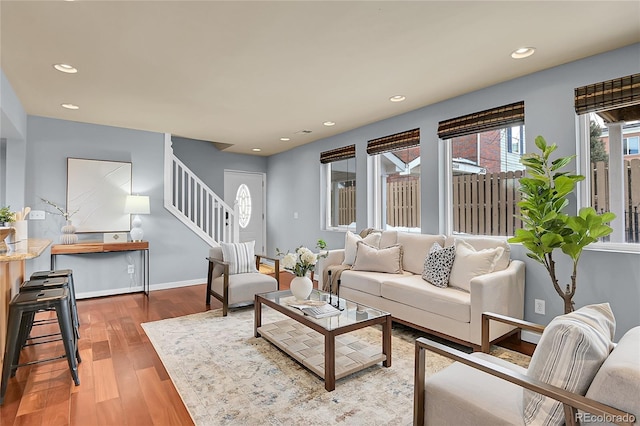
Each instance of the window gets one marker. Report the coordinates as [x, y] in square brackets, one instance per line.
[396, 181]
[630, 145]
[609, 135]
[339, 171]
[483, 152]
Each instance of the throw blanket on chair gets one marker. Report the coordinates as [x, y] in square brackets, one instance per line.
[336, 270]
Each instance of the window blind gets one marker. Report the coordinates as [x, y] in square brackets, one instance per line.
[607, 95]
[490, 119]
[394, 142]
[338, 154]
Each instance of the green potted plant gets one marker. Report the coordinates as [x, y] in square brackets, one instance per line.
[7, 217]
[547, 228]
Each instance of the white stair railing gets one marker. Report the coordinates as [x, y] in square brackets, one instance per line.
[195, 204]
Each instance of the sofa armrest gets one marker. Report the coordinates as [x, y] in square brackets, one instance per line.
[572, 402]
[334, 257]
[500, 292]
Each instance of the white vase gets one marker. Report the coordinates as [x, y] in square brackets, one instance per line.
[301, 287]
[68, 234]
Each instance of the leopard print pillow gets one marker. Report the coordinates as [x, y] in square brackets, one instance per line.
[437, 265]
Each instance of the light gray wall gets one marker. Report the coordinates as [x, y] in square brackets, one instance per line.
[176, 254]
[294, 179]
[13, 132]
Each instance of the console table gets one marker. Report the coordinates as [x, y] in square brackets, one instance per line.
[88, 247]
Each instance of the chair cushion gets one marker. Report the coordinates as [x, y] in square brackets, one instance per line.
[413, 291]
[243, 287]
[571, 350]
[350, 244]
[458, 396]
[240, 257]
[617, 382]
[369, 258]
[416, 248]
[470, 263]
[437, 265]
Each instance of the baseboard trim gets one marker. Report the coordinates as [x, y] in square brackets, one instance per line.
[138, 289]
[176, 284]
[529, 336]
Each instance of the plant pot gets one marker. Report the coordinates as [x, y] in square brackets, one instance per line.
[68, 234]
[301, 287]
[5, 232]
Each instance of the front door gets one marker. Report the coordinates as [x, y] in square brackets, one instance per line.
[249, 191]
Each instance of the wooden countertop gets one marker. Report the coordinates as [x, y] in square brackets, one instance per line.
[98, 247]
[33, 247]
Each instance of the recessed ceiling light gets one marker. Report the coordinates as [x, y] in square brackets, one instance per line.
[256, 149]
[69, 69]
[397, 98]
[285, 139]
[329, 123]
[70, 106]
[523, 52]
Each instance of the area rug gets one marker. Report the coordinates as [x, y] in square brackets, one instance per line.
[226, 376]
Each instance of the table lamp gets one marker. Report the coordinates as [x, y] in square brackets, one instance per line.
[137, 205]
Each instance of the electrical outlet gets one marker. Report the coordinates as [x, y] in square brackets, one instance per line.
[539, 307]
[130, 269]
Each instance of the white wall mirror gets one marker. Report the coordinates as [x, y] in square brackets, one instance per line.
[98, 189]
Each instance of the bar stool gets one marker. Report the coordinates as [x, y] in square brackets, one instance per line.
[46, 284]
[68, 273]
[20, 307]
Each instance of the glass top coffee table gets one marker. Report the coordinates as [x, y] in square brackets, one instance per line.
[301, 336]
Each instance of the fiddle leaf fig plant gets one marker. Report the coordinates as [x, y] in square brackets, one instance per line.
[546, 227]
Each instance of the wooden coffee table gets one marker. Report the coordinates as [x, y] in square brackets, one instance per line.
[337, 354]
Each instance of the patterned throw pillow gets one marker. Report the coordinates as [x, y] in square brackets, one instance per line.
[240, 257]
[437, 265]
[570, 352]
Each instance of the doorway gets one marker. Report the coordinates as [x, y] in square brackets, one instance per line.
[249, 190]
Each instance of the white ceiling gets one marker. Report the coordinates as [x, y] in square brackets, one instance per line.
[246, 73]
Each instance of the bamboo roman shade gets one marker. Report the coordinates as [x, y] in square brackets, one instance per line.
[338, 154]
[494, 118]
[620, 97]
[394, 142]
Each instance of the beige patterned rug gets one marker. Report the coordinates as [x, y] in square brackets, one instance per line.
[226, 376]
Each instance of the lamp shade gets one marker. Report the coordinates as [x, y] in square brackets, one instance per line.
[137, 204]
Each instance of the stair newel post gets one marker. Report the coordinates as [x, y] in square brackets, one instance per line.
[235, 227]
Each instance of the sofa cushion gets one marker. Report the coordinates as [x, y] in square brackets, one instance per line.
[470, 263]
[481, 243]
[412, 291]
[351, 245]
[368, 258]
[571, 350]
[367, 282]
[415, 248]
[617, 382]
[240, 257]
[437, 265]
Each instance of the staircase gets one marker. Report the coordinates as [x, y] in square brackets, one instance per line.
[195, 204]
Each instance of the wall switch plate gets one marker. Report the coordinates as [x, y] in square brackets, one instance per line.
[36, 215]
[539, 306]
[130, 269]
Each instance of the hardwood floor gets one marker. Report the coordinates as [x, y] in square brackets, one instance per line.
[122, 380]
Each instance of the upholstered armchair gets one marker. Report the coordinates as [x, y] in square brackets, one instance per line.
[236, 280]
[574, 376]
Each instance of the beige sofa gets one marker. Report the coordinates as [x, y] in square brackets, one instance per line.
[448, 312]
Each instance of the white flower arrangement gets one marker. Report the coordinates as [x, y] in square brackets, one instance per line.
[302, 260]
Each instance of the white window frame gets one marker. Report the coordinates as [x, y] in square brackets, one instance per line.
[583, 191]
[325, 203]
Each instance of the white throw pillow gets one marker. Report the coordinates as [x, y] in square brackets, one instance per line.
[240, 257]
[351, 241]
[369, 258]
[437, 265]
[570, 352]
[470, 263]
